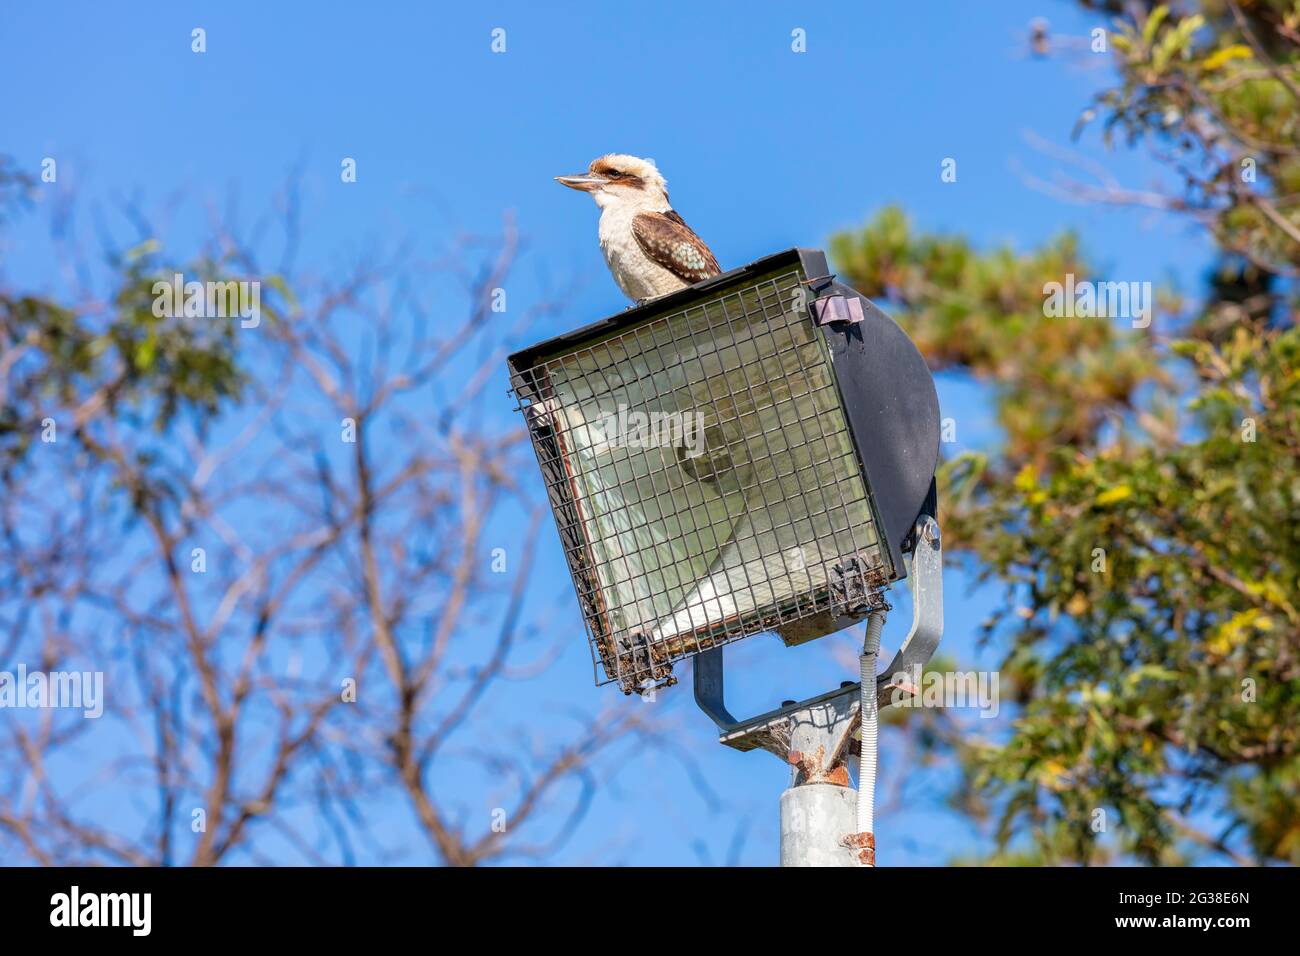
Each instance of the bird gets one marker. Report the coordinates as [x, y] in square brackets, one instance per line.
[648, 247]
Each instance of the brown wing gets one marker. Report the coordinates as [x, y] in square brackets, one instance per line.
[665, 238]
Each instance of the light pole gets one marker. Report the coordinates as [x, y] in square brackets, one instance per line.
[755, 453]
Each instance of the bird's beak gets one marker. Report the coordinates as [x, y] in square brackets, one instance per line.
[584, 182]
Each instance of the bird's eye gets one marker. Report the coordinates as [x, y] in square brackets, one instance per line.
[614, 174]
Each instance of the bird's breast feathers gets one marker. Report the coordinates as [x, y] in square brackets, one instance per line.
[652, 253]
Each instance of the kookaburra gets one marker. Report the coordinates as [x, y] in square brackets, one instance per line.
[648, 247]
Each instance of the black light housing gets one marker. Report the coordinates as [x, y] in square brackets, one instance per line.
[749, 454]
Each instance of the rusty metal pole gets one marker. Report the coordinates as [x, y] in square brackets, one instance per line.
[817, 810]
[814, 820]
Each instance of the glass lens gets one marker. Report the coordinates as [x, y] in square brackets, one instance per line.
[712, 470]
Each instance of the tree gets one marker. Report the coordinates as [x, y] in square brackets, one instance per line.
[274, 540]
[1140, 512]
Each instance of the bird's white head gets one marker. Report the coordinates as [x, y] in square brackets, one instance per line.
[618, 179]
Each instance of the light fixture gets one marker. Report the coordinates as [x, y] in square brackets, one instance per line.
[747, 455]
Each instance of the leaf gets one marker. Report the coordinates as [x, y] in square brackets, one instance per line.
[1237, 629]
[1112, 495]
[1153, 23]
[143, 249]
[1054, 775]
[1238, 51]
[1150, 672]
[145, 353]
[1027, 478]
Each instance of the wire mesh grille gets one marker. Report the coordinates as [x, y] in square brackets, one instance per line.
[703, 479]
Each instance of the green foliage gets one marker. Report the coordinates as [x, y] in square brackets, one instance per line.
[1140, 512]
[1178, 655]
[115, 360]
[125, 361]
[1221, 100]
[1055, 382]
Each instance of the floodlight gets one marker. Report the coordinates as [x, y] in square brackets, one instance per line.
[747, 455]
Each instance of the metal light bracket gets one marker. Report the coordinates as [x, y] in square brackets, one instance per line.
[838, 308]
[814, 735]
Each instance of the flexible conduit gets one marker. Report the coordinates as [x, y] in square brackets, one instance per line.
[870, 730]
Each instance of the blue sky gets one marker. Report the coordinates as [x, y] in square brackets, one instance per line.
[764, 149]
